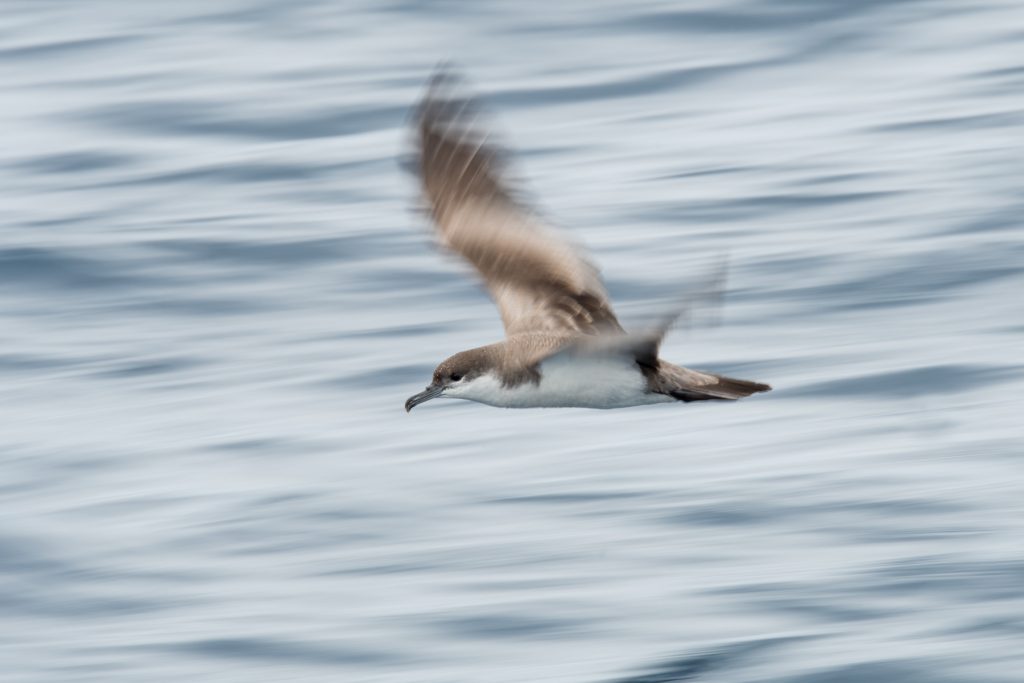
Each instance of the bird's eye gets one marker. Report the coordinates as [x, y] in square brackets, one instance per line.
[456, 378]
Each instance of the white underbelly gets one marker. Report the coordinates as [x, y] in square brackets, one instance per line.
[571, 382]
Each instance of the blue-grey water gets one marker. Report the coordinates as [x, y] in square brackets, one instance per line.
[216, 291]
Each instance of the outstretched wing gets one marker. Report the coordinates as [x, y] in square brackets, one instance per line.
[539, 281]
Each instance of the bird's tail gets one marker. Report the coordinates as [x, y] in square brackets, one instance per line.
[691, 385]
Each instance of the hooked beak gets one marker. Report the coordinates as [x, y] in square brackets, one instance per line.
[433, 391]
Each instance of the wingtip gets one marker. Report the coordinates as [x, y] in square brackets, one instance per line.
[447, 99]
[445, 73]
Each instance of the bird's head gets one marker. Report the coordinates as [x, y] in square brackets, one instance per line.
[453, 377]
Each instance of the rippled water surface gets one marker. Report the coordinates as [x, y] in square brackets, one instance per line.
[216, 292]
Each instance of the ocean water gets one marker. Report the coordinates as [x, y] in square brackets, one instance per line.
[217, 290]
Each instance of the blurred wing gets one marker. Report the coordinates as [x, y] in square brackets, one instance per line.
[539, 281]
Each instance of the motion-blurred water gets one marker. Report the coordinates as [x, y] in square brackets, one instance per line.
[216, 293]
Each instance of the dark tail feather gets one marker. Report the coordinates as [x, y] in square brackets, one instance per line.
[725, 389]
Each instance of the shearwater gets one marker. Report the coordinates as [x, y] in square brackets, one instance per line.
[563, 345]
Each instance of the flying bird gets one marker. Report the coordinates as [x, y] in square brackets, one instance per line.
[563, 345]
